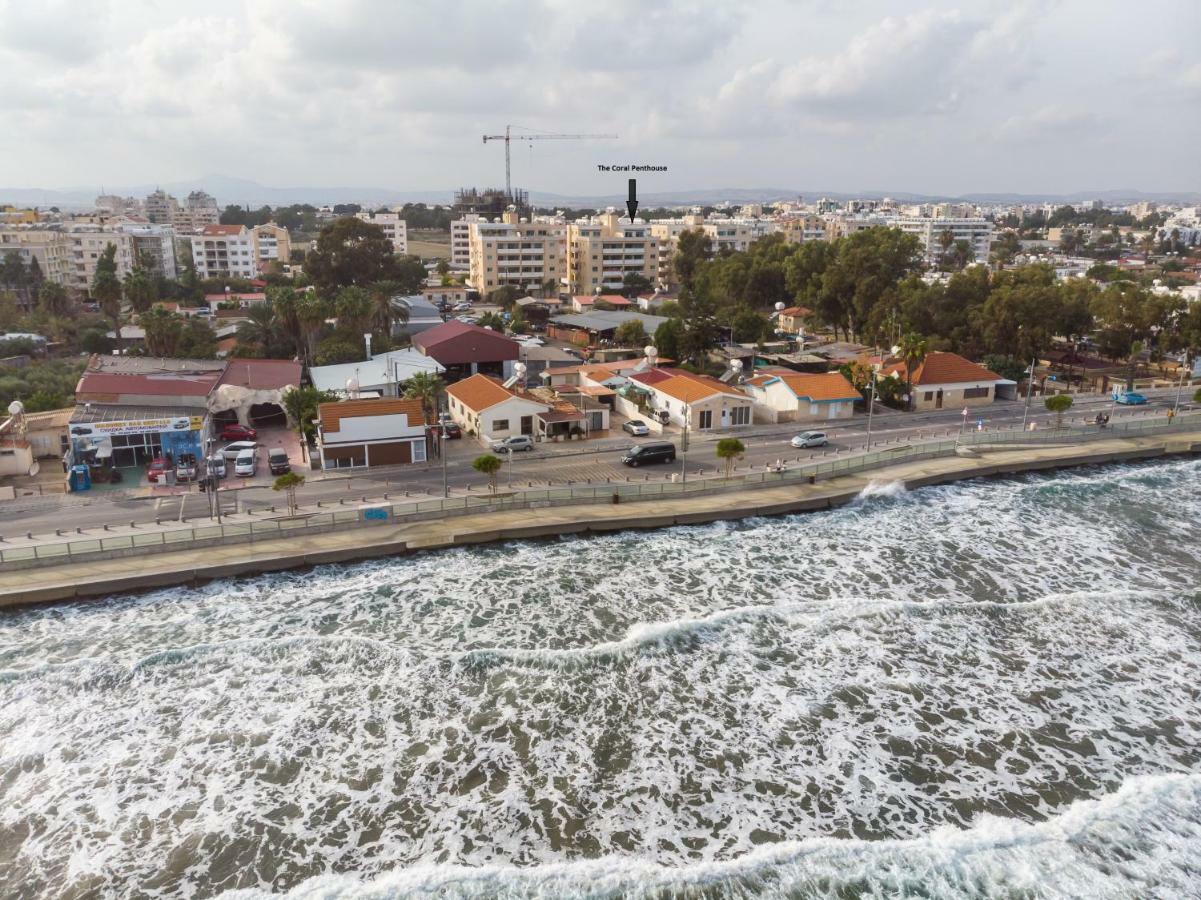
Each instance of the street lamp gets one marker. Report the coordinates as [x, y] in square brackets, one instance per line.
[684, 445]
[871, 403]
[1029, 388]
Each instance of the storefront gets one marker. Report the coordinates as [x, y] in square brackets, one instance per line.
[132, 437]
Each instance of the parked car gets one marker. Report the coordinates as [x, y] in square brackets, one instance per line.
[231, 451]
[236, 432]
[246, 463]
[513, 444]
[655, 452]
[277, 461]
[460, 307]
[159, 467]
[636, 427]
[185, 467]
[1129, 398]
[810, 439]
[452, 431]
[216, 465]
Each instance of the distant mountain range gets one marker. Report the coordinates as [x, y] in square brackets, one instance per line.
[244, 192]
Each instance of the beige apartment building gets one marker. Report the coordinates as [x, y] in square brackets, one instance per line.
[802, 229]
[524, 255]
[52, 250]
[394, 227]
[602, 252]
[460, 240]
[272, 243]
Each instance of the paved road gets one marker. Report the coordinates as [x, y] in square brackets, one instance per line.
[562, 463]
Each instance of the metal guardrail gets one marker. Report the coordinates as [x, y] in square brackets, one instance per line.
[169, 538]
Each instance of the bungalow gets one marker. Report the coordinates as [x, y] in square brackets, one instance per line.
[703, 403]
[792, 319]
[482, 406]
[383, 375]
[947, 379]
[366, 433]
[798, 397]
[445, 294]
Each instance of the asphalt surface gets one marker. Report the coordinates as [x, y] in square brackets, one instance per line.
[560, 464]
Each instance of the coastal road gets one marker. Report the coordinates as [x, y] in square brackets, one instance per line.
[560, 464]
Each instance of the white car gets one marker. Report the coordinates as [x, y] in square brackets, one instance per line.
[246, 463]
[636, 427]
[233, 450]
[810, 439]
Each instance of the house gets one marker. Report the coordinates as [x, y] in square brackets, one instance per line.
[383, 375]
[47, 432]
[241, 301]
[786, 396]
[792, 319]
[365, 433]
[700, 402]
[464, 350]
[948, 380]
[599, 325]
[445, 295]
[483, 407]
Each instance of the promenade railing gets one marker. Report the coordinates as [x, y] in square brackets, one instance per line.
[170, 536]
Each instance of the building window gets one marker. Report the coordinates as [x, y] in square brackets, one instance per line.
[706, 418]
[500, 424]
[418, 451]
[929, 395]
[740, 415]
[975, 393]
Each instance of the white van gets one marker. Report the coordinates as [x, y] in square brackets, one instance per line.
[246, 463]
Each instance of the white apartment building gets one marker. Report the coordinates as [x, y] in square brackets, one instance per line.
[604, 250]
[460, 240]
[977, 232]
[524, 255]
[224, 250]
[154, 244]
[737, 234]
[393, 226]
[115, 205]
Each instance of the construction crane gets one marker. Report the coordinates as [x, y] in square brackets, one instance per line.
[507, 137]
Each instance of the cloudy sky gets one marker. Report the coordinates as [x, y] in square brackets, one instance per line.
[845, 95]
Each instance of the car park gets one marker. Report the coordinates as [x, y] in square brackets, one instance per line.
[810, 439]
[513, 444]
[185, 467]
[636, 427]
[654, 452]
[236, 432]
[231, 451]
[277, 461]
[246, 463]
[159, 467]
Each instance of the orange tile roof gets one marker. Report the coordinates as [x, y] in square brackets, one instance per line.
[824, 386]
[944, 368]
[801, 311]
[691, 388]
[332, 414]
[221, 229]
[479, 392]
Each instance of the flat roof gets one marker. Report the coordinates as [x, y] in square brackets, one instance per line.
[609, 319]
[109, 412]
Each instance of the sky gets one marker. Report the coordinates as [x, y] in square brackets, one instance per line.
[838, 95]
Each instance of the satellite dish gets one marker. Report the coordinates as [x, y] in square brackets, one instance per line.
[779, 306]
[16, 408]
[519, 369]
[650, 351]
[352, 387]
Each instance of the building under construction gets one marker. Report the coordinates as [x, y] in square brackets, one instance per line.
[490, 203]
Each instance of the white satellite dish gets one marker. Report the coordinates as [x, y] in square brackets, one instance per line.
[780, 306]
[518, 374]
[352, 387]
[733, 372]
[16, 408]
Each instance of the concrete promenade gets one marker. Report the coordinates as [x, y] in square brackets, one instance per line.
[108, 576]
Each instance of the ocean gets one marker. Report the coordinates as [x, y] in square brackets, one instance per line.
[989, 689]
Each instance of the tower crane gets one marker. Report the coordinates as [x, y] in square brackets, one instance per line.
[507, 137]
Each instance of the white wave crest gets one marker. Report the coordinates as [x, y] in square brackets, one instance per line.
[886, 490]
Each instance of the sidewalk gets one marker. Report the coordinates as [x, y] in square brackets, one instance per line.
[107, 576]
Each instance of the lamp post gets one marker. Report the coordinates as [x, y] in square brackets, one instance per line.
[684, 445]
[1029, 388]
[1180, 384]
[962, 425]
[442, 449]
[871, 403]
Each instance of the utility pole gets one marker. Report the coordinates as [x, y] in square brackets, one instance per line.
[442, 450]
[1029, 387]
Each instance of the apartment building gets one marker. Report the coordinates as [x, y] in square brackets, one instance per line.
[272, 244]
[521, 254]
[153, 245]
[801, 229]
[977, 232]
[393, 226]
[604, 250]
[116, 205]
[224, 250]
[460, 240]
[51, 249]
[88, 243]
[737, 234]
[160, 207]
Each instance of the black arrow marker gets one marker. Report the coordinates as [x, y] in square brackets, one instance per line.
[632, 203]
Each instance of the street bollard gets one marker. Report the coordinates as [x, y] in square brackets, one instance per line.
[158, 521]
[133, 524]
[58, 532]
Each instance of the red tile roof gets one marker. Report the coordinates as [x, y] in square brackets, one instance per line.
[456, 343]
[262, 374]
[218, 230]
[826, 386]
[945, 368]
[479, 392]
[95, 385]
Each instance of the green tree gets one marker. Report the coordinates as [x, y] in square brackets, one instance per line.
[285, 304]
[1006, 248]
[311, 313]
[354, 308]
[913, 352]
[257, 332]
[140, 289]
[197, 339]
[426, 387]
[634, 284]
[1058, 404]
[288, 483]
[730, 450]
[867, 268]
[504, 296]
[54, 299]
[351, 252]
[669, 337]
[163, 331]
[385, 312]
[106, 288]
[693, 249]
[301, 404]
[339, 347]
[491, 320]
[442, 268]
[630, 333]
[488, 465]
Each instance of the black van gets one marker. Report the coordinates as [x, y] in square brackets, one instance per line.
[656, 452]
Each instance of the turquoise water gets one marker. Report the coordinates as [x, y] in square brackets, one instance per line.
[987, 689]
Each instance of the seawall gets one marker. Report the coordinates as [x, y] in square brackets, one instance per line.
[120, 575]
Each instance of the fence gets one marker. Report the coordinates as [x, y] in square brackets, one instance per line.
[169, 538]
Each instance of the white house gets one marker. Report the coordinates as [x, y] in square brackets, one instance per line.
[799, 397]
[384, 374]
[947, 379]
[484, 407]
[703, 402]
[365, 433]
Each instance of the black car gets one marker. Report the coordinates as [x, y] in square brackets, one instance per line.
[277, 461]
[655, 452]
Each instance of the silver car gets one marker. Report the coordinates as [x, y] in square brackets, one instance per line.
[810, 439]
[513, 444]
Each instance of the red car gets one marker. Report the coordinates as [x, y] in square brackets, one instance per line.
[236, 432]
[159, 466]
[453, 431]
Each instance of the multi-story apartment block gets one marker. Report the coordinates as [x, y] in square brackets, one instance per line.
[460, 240]
[115, 205]
[522, 254]
[160, 207]
[737, 234]
[51, 249]
[272, 243]
[224, 251]
[800, 229]
[977, 232]
[153, 245]
[393, 225]
[603, 251]
[88, 243]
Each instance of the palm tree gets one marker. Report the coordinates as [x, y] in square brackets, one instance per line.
[426, 387]
[354, 309]
[311, 313]
[385, 313]
[285, 301]
[945, 240]
[259, 328]
[913, 352]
